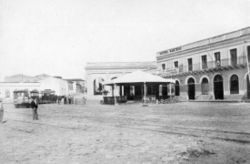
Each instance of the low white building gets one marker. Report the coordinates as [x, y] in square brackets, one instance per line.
[7, 88]
[60, 86]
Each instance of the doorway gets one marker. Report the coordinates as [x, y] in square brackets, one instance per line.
[218, 87]
[191, 89]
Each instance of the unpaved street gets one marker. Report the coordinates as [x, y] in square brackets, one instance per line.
[164, 133]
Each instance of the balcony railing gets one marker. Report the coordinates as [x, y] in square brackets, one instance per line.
[223, 63]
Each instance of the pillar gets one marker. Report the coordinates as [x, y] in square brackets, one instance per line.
[114, 95]
[122, 90]
[145, 92]
[160, 90]
[113, 90]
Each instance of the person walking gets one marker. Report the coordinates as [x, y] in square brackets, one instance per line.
[1, 112]
[34, 106]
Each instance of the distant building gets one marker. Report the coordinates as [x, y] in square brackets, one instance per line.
[61, 87]
[78, 85]
[24, 78]
[7, 88]
[101, 72]
[210, 69]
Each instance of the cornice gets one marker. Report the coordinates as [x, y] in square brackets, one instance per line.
[214, 39]
[205, 48]
[119, 68]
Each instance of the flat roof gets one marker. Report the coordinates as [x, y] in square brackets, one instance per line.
[214, 39]
[119, 65]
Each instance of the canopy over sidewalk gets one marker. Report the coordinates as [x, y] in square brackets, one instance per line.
[139, 77]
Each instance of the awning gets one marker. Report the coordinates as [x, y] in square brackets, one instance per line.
[139, 77]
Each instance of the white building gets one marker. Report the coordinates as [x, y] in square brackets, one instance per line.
[7, 88]
[76, 86]
[102, 72]
[210, 69]
[60, 86]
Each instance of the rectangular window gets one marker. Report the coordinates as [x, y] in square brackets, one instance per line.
[233, 53]
[204, 61]
[217, 59]
[176, 64]
[190, 64]
[163, 66]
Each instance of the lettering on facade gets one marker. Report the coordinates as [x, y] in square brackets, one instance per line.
[171, 50]
[175, 49]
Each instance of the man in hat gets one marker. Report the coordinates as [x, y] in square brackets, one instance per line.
[34, 106]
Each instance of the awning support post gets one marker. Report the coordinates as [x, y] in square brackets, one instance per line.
[115, 101]
[145, 94]
[122, 90]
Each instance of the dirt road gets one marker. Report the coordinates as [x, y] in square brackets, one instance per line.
[166, 133]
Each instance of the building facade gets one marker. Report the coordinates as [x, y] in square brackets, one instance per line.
[7, 88]
[78, 85]
[215, 68]
[61, 87]
[99, 73]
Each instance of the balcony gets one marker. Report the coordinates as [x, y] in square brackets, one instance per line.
[223, 64]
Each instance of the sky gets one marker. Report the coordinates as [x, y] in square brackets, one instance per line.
[58, 37]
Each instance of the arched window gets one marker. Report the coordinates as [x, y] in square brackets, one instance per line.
[204, 86]
[177, 88]
[234, 84]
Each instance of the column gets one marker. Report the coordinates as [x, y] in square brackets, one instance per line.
[114, 95]
[160, 90]
[113, 90]
[145, 92]
[122, 90]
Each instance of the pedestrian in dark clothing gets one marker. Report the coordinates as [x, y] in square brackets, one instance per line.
[58, 100]
[1, 111]
[65, 100]
[34, 106]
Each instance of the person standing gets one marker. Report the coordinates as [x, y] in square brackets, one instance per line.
[1, 112]
[34, 106]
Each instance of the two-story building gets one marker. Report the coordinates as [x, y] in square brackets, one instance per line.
[210, 69]
[102, 72]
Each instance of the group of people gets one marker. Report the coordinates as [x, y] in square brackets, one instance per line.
[71, 100]
[64, 100]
